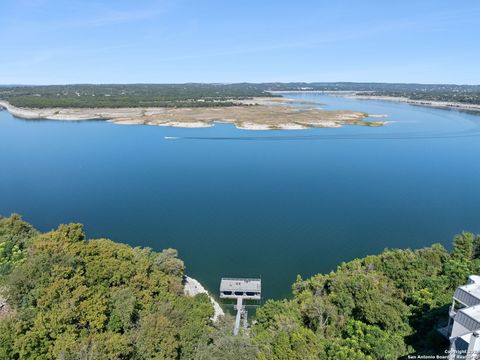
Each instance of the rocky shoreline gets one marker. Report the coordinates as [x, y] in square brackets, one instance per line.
[192, 287]
[5, 308]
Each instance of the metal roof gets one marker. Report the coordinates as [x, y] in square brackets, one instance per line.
[233, 288]
[469, 318]
[234, 284]
[469, 295]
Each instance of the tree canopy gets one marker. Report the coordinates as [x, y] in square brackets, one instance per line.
[94, 299]
[380, 307]
[73, 298]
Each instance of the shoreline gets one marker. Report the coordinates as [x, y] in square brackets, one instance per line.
[192, 287]
[5, 309]
[428, 103]
[262, 114]
[401, 99]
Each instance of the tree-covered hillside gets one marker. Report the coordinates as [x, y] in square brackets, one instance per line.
[380, 307]
[72, 298]
[96, 299]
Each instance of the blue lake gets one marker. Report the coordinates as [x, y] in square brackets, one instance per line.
[252, 203]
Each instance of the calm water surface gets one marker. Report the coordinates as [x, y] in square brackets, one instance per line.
[246, 203]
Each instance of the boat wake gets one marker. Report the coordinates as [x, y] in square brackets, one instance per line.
[410, 136]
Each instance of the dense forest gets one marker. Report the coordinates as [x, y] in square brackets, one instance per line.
[65, 297]
[211, 95]
[132, 95]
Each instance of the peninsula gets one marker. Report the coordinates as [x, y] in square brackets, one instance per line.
[262, 114]
[247, 106]
[251, 106]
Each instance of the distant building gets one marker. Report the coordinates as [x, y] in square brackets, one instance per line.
[463, 328]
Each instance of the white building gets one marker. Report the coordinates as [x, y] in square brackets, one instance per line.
[463, 328]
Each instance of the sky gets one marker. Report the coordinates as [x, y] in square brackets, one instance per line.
[177, 41]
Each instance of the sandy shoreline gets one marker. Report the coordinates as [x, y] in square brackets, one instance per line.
[264, 114]
[192, 287]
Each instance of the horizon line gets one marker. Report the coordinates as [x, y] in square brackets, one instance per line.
[236, 82]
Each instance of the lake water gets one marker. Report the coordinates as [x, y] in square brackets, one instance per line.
[246, 203]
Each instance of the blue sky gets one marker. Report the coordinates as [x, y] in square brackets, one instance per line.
[124, 41]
